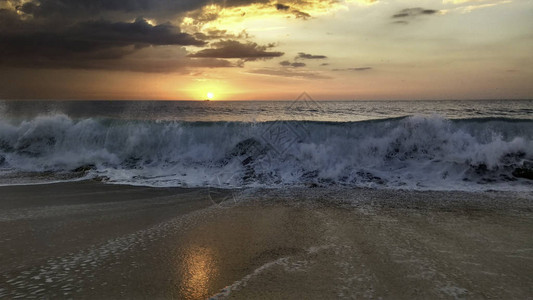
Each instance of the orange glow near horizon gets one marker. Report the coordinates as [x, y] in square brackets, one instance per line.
[209, 89]
[270, 50]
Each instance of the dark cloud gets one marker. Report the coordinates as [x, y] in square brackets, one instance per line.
[91, 36]
[94, 34]
[88, 45]
[139, 32]
[235, 49]
[297, 64]
[220, 34]
[152, 65]
[161, 10]
[287, 63]
[149, 8]
[149, 60]
[280, 6]
[297, 13]
[81, 8]
[414, 12]
[167, 65]
[359, 69]
[300, 14]
[302, 55]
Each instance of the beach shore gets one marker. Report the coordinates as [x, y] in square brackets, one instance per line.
[102, 241]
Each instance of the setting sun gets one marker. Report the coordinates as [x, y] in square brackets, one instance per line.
[210, 96]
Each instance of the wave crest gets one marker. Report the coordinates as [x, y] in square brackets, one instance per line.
[412, 152]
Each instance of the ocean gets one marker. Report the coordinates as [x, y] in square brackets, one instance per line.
[474, 145]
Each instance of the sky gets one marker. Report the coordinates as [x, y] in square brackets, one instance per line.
[266, 50]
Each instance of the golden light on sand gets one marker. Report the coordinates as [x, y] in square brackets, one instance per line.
[210, 95]
[198, 270]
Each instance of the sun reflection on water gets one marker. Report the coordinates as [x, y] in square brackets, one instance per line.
[199, 270]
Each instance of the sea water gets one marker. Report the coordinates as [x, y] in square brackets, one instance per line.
[423, 145]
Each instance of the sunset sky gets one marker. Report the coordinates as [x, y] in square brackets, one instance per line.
[240, 50]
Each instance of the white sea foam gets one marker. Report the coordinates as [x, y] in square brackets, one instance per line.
[412, 153]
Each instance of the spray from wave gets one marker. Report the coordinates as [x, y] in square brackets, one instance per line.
[410, 153]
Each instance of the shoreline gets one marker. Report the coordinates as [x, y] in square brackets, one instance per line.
[94, 240]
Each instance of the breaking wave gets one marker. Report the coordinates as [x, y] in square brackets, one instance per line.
[410, 153]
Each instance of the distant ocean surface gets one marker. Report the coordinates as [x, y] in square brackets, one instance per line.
[422, 145]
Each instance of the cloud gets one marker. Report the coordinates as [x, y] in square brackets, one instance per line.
[220, 34]
[280, 6]
[297, 13]
[235, 49]
[300, 14]
[291, 73]
[75, 9]
[470, 8]
[102, 45]
[92, 34]
[85, 42]
[414, 12]
[287, 63]
[358, 69]
[139, 32]
[460, 1]
[164, 9]
[302, 55]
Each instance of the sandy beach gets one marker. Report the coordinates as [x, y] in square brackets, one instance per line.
[101, 241]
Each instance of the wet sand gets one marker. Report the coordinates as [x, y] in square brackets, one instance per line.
[98, 241]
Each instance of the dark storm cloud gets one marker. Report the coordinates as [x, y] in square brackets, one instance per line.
[414, 12]
[287, 63]
[302, 55]
[92, 36]
[151, 8]
[89, 45]
[139, 32]
[235, 49]
[77, 8]
[359, 69]
[160, 10]
[99, 34]
[129, 58]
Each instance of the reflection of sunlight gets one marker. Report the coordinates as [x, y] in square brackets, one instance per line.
[198, 270]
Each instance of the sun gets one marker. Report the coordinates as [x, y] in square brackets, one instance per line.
[210, 95]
